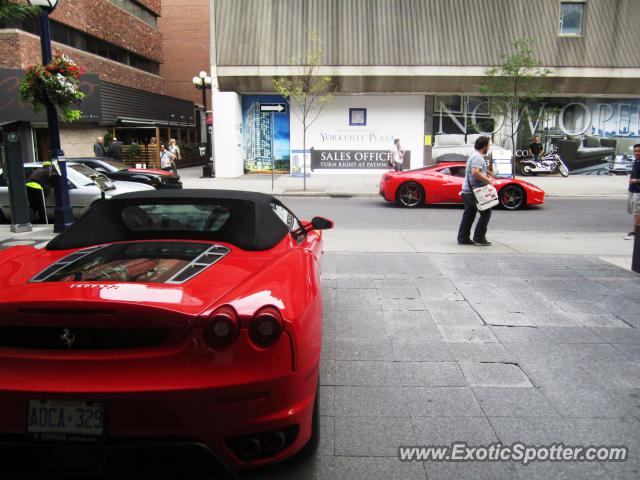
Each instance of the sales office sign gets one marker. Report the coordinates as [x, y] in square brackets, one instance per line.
[353, 159]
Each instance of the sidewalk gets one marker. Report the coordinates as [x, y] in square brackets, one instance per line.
[366, 184]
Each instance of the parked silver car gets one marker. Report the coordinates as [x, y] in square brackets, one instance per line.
[84, 189]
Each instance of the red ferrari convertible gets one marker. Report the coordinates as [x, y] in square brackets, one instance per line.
[442, 183]
[179, 318]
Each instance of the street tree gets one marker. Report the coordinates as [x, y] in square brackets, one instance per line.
[306, 90]
[14, 11]
[515, 86]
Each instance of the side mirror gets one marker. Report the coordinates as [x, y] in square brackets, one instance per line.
[321, 223]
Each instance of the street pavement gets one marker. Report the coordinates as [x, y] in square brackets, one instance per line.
[535, 339]
[367, 184]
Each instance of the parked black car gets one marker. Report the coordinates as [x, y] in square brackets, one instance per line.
[117, 170]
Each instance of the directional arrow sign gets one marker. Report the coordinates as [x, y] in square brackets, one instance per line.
[273, 107]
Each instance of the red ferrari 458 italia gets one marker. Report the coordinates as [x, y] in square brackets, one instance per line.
[442, 183]
[182, 318]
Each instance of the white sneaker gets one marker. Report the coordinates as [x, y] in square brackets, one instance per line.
[630, 236]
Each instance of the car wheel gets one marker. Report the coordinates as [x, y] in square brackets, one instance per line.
[512, 197]
[410, 195]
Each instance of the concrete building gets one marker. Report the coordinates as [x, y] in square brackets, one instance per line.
[119, 45]
[412, 69]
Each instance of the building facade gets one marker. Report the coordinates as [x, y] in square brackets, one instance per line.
[119, 45]
[412, 69]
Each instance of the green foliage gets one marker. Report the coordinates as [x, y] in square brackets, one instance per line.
[57, 83]
[305, 89]
[515, 86]
[134, 151]
[14, 12]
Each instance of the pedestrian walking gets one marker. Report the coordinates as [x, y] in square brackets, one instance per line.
[175, 150]
[166, 158]
[633, 205]
[396, 156]
[115, 151]
[38, 188]
[98, 148]
[475, 176]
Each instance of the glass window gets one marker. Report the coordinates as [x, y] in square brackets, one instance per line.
[185, 217]
[571, 18]
[286, 216]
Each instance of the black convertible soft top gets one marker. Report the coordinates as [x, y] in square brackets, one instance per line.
[244, 219]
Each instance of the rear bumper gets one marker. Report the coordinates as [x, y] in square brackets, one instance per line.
[209, 417]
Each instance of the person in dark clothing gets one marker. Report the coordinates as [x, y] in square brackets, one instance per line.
[475, 176]
[536, 149]
[38, 188]
[115, 151]
[633, 204]
[98, 148]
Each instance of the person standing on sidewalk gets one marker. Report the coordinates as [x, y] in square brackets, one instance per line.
[38, 187]
[98, 148]
[115, 151]
[536, 150]
[475, 176]
[633, 205]
[175, 150]
[166, 158]
[396, 155]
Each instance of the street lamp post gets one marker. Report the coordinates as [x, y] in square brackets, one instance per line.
[63, 215]
[203, 82]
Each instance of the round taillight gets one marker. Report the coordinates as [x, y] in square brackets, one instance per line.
[222, 328]
[265, 327]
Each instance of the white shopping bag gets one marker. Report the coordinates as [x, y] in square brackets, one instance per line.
[486, 197]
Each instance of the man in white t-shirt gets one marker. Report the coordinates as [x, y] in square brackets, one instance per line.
[396, 155]
[475, 176]
[166, 158]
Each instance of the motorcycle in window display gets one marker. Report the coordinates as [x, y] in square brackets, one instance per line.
[549, 163]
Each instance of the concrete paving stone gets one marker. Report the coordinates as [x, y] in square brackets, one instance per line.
[407, 304]
[350, 282]
[550, 372]
[467, 334]
[372, 437]
[495, 375]
[386, 264]
[480, 352]
[405, 332]
[519, 334]
[590, 353]
[328, 351]
[328, 305]
[534, 350]
[364, 349]
[447, 430]
[353, 264]
[580, 401]
[552, 317]
[367, 373]
[631, 352]
[514, 402]
[327, 372]
[313, 467]
[353, 330]
[453, 313]
[326, 443]
[441, 402]
[420, 351]
[604, 320]
[560, 471]
[396, 289]
[430, 374]
[502, 318]
[357, 299]
[377, 468]
[622, 374]
[618, 335]
[326, 400]
[619, 431]
[537, 430]
[627, 470]
[370, 402]
[470, 471]
[560, 335]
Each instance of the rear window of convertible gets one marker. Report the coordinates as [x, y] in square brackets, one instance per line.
[175, 217]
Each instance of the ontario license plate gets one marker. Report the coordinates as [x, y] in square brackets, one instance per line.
[65, 421]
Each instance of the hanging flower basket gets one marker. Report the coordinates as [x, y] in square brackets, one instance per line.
[57, 82]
